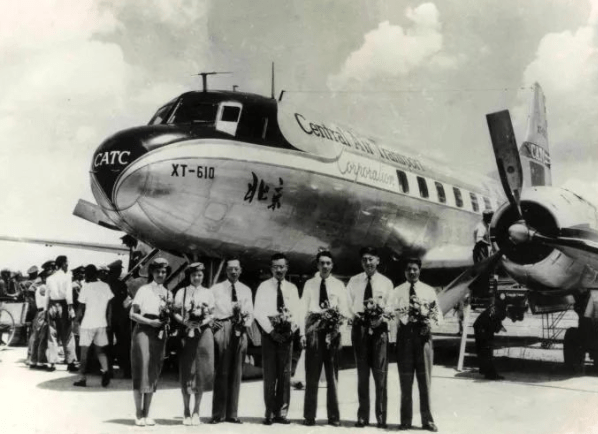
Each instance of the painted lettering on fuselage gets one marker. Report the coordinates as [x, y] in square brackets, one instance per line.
[258, 187]
[352, 140]
[537, 153]
[111, 158]
[201, 172]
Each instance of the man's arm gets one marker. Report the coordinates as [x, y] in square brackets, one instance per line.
[259, 310]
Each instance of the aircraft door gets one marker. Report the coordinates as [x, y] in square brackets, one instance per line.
[227, 119]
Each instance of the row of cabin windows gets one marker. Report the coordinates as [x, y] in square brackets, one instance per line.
[424, 193]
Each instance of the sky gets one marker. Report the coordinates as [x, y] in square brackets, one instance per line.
[423, 74]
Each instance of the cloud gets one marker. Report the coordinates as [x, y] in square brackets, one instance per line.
[392, 51]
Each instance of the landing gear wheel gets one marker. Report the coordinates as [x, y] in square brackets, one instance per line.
[7, 328]
[573, 351]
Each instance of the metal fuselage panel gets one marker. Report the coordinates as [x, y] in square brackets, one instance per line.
[220, 197]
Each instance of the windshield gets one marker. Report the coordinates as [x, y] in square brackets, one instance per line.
[194, 112]
[160, 116]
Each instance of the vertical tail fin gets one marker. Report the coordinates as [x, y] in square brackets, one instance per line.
[535, 156]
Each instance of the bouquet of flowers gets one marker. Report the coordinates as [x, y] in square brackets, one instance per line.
[421, 313]
[198, 315]
[328, 321]
[282, 323]
[239, 319]
[373, 312]
[164, 312]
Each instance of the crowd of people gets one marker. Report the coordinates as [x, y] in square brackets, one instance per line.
[129, 324]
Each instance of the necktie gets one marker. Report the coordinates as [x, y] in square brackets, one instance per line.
[368, 293]
[323, 293]
[234, 298]
[279, 297]
[411, 293]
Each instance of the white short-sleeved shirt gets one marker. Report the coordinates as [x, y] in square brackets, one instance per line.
[149, 297]
[399, 298]
[197, 295]
[41, 296]
[223, 300]
[381, 289]
[265, 302]
[96, 296]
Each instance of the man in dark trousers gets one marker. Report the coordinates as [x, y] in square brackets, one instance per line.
[320, 292]
[120, 324]
[485, 326]
[273, 296]
[370, 341]
[414, 343]
[230, 342]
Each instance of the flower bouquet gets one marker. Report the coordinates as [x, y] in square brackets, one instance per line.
[328, 321]
[283, 324]
[199, 316]
[164, 312]
[239, 319]
[421, 313]
[373, 312]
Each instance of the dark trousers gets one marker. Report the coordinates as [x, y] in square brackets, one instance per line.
[121, 349]
[319, 352]
[230, 351]
[371, 354]
[276, 364]
[60, 332]
[484, 343]
[414, 355]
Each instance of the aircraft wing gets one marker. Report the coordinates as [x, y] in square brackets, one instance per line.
[98, 247]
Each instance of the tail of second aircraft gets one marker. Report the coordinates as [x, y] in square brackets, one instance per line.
[534, 153]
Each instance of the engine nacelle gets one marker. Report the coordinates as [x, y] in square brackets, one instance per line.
[547, 210]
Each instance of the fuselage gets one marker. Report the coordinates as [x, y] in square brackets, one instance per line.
[228, 173]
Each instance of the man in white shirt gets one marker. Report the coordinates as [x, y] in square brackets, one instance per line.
[272, 296]
[481, 237]
[230, 344]
[414, 345]
[370, 343]
[94, 308]
[321, 291]
[60, 315]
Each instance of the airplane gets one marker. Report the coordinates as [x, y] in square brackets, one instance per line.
[217, 173]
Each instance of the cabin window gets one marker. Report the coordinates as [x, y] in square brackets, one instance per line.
[403, 181]
[487, 204]
[458, 197]
[474, 202]
[440, 191]
[423, 187]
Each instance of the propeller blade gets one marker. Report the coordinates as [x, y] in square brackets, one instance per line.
[458, 288]
[506, 154]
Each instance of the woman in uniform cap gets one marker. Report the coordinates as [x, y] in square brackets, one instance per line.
[193, 306]
[149, 309]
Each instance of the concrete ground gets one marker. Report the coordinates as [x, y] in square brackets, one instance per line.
[536, 397]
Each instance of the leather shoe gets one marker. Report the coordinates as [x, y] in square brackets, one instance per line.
[234, 420]
[71, 367]
[494, 377]
[382, 425]
[106, 376]
[431, 426]
[404, 426]
[80, 383]
[309, 422]
[215, 420]
[360, 423]
[282, 420]
[267, 421]
[334, 422]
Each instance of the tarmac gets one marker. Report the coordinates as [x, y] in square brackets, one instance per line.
[537, 396]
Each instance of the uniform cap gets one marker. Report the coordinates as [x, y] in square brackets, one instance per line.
[159, 263]
[116, 264]
[48, 265]
[33, 270]
[102, 268]
[196, 266]
[79, 269]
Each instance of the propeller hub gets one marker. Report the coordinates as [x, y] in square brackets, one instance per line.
[520, 233]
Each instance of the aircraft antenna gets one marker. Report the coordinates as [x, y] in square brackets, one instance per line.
[204, 77]
[235, 87]
[272, 81]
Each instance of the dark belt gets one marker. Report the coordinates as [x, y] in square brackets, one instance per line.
[63, 301]
[40, 309]
[230, 318]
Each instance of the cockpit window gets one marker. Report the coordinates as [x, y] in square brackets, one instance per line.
[230, 113]
[188, 112]
[160, 116]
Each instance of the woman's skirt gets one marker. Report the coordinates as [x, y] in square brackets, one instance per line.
[147, 355]
[196, 362]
